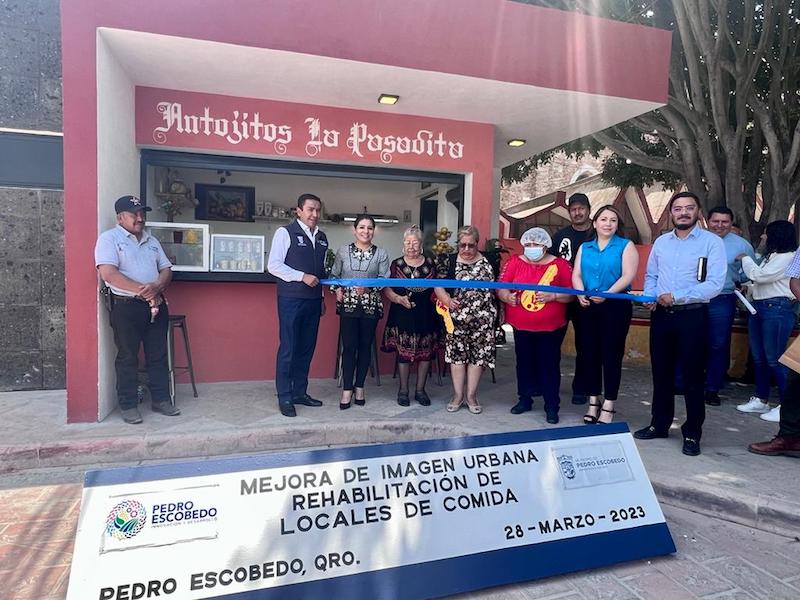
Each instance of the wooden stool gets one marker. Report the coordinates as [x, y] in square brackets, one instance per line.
[178, 321]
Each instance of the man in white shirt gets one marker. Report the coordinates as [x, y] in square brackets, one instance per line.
[297, 259]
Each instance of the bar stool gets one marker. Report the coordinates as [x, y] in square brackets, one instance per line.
[179, 322]
[374, 371]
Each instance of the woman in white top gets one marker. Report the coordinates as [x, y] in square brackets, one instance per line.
[769, 329]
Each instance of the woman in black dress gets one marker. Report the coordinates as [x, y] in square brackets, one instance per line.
[412, 328]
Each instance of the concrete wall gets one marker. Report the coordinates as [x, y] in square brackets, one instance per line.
[31, 289]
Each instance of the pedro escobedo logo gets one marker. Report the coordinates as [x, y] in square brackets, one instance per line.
[567, 465]
[126, 519]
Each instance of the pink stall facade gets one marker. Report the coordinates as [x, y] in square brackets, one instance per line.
[293, 84]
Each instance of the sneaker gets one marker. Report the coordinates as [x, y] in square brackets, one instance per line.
[773, 416]
[755, 405]
[131, 415]
[165, 408]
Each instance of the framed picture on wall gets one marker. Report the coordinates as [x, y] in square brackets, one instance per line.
[224, 203]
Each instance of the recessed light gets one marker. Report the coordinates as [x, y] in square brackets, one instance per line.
[516, 143]
[388, 99]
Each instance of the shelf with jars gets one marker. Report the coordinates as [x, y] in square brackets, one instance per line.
[237, 253]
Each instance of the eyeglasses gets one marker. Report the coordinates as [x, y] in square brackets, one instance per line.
[682, 209]
[467, 246]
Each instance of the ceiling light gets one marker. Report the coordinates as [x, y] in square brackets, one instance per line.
[516, 142]
[388, 99]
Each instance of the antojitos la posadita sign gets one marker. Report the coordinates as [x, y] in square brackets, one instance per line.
[409, 520]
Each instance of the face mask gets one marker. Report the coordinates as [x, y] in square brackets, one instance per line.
[534, 253]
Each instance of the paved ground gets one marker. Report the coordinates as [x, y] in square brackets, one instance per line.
[726, 484]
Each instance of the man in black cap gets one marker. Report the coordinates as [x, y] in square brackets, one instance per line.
[566, 242]
[134, 267]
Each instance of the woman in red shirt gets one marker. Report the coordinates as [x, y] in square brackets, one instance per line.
[539, 320]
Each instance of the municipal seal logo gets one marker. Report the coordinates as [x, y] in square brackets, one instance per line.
[567, 466]
[126, 519]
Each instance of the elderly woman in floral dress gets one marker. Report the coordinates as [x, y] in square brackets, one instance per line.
[470, 344]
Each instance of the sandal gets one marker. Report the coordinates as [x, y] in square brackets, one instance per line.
[607, 410]
[454, 405]
[589, 419]
[360, 401]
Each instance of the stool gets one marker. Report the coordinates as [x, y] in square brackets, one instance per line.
[178, 321]
[374, 371]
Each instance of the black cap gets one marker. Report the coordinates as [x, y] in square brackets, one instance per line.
[578, 198]
[130, 204]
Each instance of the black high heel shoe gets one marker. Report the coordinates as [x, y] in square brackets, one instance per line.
[346, 405]
[593, 403]
[360, 401]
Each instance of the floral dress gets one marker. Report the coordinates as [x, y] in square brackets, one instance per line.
[412, 333]
[473, 339]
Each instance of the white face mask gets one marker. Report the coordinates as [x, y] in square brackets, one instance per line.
[534, 253]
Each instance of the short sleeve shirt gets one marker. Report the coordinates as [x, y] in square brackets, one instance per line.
[139, 260]
[529, 315]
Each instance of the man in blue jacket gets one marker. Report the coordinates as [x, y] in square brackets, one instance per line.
[297, 259]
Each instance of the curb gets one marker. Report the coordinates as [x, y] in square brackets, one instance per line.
[770, 514]
[775, 515]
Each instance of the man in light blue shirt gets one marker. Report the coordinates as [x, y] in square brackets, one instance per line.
[722, 309]
[686, 269]
[133, 265]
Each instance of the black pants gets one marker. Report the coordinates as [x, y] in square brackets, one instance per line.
[358, 335]
[604, 329]
[679, 340]
[539, 366]
[579, 381]
[299, 324]
[790, 408]
[130, 320]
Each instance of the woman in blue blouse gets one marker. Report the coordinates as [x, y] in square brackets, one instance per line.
[607, 263]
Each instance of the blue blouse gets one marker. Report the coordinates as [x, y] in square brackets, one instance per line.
[600, 269]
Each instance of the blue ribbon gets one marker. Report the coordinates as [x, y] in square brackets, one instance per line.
[483, 285]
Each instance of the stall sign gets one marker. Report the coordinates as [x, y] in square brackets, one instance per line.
[409, 520]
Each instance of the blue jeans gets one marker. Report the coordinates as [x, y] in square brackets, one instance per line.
[769, 331]
[721, 311]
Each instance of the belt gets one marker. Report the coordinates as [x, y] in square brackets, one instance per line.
[118, 298]
[682, 307]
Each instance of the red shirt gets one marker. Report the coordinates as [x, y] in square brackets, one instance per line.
[529, 315]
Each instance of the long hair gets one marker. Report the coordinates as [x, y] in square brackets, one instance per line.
[781, 237]
[609, 208]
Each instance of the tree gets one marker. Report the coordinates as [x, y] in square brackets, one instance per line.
[731, 122]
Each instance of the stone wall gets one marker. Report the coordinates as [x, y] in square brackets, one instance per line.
[31, 289]
[30, 64]
[31, 220]
[548, 178]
